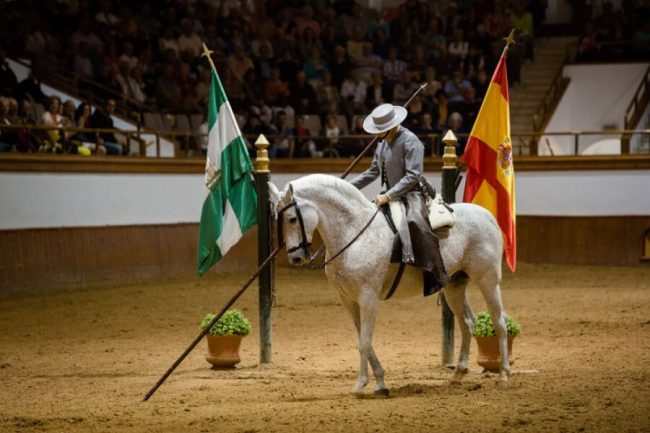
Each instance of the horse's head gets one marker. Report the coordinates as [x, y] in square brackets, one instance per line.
[297, 219]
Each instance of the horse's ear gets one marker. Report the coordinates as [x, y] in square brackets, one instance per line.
[274, 196]
[290, 192]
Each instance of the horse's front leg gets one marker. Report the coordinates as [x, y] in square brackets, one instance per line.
[368, 304]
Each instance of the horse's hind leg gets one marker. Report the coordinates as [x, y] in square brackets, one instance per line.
[380, 388]
[455, 296]
[492, 293]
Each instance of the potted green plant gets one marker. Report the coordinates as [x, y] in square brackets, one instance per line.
[224, 338]
[489, 356]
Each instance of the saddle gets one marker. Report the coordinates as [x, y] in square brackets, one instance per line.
[440, 214]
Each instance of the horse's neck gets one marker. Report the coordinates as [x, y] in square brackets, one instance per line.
[340, 219]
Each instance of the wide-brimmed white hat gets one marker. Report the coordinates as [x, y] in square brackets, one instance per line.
[384, 118]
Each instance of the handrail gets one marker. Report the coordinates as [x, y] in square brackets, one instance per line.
[642, 94]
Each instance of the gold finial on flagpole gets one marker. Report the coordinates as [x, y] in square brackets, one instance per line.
[207, 53]
[509, 41]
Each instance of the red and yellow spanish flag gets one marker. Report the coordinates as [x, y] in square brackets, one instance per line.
[490, 173]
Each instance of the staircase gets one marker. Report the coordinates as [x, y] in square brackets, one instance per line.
[536, 80]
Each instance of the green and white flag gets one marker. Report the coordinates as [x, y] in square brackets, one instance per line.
[230, 207]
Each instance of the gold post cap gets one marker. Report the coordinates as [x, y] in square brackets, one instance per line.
[450, 139]
[262, 161]
[261, 141]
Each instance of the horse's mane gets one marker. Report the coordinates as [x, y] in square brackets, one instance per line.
[331, 183]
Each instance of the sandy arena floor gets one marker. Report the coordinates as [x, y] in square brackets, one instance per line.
[80, 361]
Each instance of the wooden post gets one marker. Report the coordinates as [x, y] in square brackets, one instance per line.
[264, 238]
[449, 176]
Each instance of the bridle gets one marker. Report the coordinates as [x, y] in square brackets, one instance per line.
[304, 243]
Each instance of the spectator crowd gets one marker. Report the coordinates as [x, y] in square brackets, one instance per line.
[281, 63]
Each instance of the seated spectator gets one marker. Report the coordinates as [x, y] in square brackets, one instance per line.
[168, 42]
[458, 49]
[52, 117]
[315, 67]
[454, 86]
[82, 65]
[328, 97]
[101, 119]
[239, 63]
[187, 88]
[85, 138]
[167, 92]
[307, 21]
[588, 46]
[307, 43]
[368, 63]
[433, 85]
[128, 57]
[339, 66]
[276, 91]
[7, 136]
[84, 34]
[354, 45]
[330, 39]
[481, 83]
[424, 130]
[468, 108]
[415, 110]
[435, 41]
[353, 95]
[522, 21]
[203, 87]
[282, 142]
[440, 110]
[393, 68]
[252, 129]
[29, 140]
[456, 126]
[189, 42]
[288, 66]
[332, 132]
[304, 144]
[378, 92]
[419, 64]
[253, 87]
[264, 63]
[105, 17]
[404, 89]
[301, 95]
[380, 43]
[135, 85]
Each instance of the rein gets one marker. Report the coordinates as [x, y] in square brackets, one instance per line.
[353, 239]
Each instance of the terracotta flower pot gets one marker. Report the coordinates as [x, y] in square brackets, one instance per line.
[223, 350]
[488, 352]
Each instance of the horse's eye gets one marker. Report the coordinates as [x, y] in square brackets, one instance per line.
[293, 220]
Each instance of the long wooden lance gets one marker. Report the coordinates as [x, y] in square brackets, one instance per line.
[205, 330]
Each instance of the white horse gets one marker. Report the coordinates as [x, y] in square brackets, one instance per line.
[363, 274]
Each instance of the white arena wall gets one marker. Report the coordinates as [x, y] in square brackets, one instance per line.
[83, 228]
[55, 200]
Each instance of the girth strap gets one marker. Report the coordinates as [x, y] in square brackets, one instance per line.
[396, 281]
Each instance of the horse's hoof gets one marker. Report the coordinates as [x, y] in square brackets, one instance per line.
[502, 384]
[382, 393]
[458, 375]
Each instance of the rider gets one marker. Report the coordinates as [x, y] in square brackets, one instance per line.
[399, 161]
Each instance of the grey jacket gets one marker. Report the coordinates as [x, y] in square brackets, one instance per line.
[402, 161]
